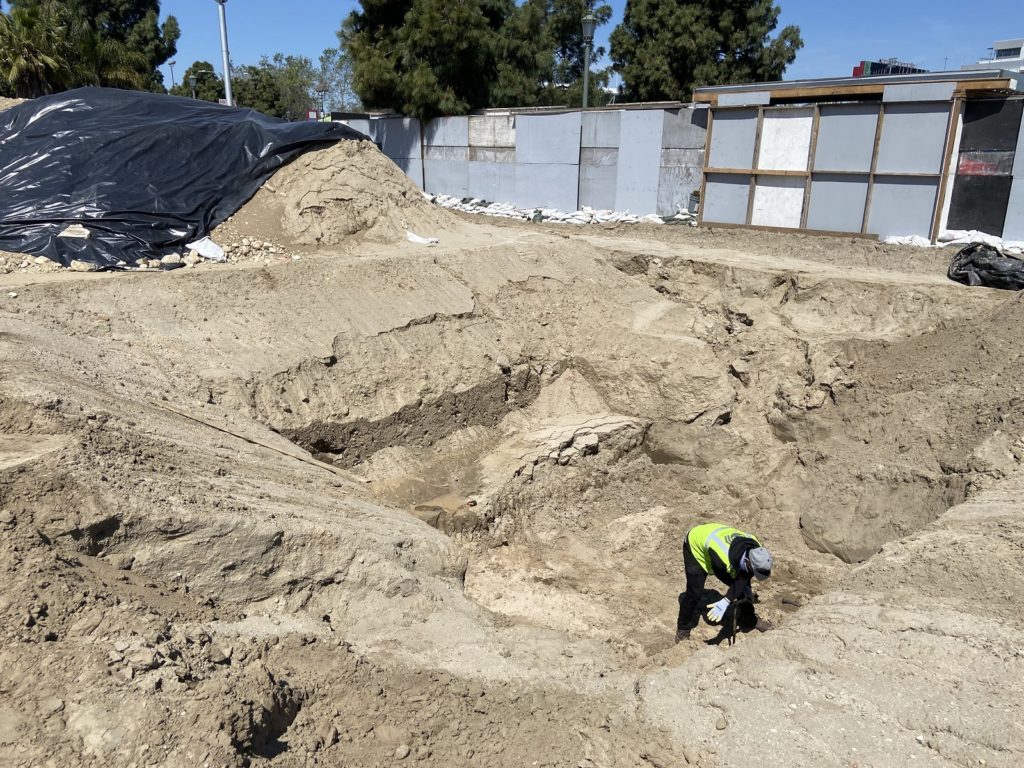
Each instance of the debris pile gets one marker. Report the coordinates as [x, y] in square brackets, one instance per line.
[554, 216]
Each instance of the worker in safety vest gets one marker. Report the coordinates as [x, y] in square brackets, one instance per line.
[733, 556]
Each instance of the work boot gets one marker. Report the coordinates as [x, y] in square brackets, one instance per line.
[682, 634]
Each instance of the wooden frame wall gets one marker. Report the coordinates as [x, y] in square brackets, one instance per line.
[941, 177]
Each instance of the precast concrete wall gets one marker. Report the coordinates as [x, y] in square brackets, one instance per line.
[638, 160]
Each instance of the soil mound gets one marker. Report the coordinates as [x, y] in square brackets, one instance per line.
[328, 196]
[6, 103]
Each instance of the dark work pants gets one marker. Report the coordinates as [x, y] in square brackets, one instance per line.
[689, 601]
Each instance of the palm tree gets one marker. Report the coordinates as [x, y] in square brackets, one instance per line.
[35, 51]
[48, 48]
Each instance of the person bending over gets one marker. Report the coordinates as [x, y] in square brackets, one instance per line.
[733, 556]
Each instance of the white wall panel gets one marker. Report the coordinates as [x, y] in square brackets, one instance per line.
[778, 201]
[785, 139]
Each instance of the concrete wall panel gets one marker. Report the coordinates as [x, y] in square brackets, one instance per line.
[725, 198]
[492, 131]
[399, 136]
[601, 129]
[495, 182]
[837, 202]
[446, 153]
[540, 185]
[682, 158]
[550, 139]
[1013, 228]
[913, 138]
[447, 132]
[446, 177]
[785, 139]
[601, 157]
[363, 125]
[685, 129]
[636, 186]
[1018, 163]
[846, 137]
[597, 186]
[732, 138]
[778, 201]
[919, 92]
[411, 167]
[493, 154]
[902, 206]
[675, 183]
[743, 99]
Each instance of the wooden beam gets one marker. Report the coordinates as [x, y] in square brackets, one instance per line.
[789, 231]
[812, 92]
[812, 150]
[753, 166]
[1001, 84]
[874, 167]
[707, 159]
[955, 112]
[759, 172]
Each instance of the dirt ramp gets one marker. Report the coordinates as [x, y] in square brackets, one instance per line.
[331, 195]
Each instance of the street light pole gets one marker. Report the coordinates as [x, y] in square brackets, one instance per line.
[224, 52]
[589, 22]
[171, 65]
[322, 88]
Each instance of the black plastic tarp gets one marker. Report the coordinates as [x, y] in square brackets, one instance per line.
[983, 265]
[143, 173]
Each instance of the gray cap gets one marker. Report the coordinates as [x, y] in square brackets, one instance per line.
[760, 560]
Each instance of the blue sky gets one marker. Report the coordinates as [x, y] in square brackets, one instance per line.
[836, 35]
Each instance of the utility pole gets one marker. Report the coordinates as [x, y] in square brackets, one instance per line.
[224, 52]
[589, 22]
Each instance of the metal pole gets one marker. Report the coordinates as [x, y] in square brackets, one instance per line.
[586, 71]
[224, 52]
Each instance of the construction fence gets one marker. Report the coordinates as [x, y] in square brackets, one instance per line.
[641, 160]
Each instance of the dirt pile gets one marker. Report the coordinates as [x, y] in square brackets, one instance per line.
[6, 103]
[479, 559]
[327, 197]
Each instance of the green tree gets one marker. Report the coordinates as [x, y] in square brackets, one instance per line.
[209, 85]
[566, 30]
[35, 51]
[47, 47]
[425, 57]
[336, 74]
[526, 57]
[296, 79]
[129, 26]
[279, 86]
[663, 49]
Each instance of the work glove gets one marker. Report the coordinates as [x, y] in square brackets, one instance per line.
[717, 610]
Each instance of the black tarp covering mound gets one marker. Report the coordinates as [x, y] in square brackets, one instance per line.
[144, 173]
[984, 265]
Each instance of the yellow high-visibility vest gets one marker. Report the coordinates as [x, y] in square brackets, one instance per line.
[714, 536]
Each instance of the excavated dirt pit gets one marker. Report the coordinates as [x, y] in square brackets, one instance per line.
[390, 503]
[569, 480]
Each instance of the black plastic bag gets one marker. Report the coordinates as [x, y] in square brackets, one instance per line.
[983, 265]
[143, 173]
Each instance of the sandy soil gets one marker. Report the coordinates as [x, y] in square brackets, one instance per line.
[387, 503]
